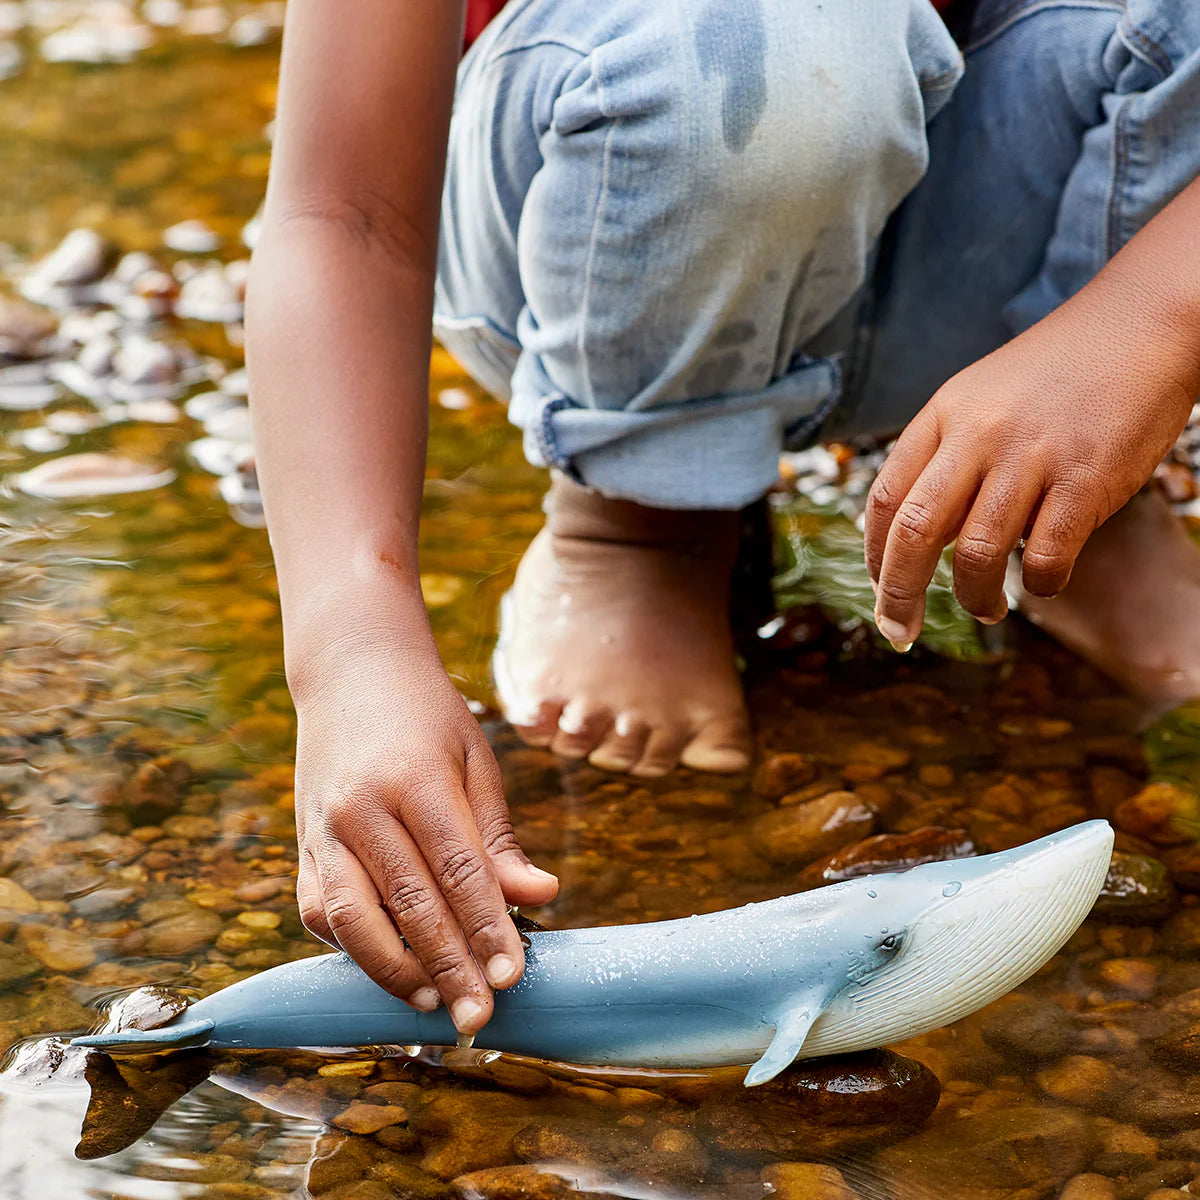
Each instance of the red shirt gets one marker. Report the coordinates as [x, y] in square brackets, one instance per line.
[480, 12]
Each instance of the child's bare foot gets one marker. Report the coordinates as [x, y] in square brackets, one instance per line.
[1132, 607]
[615, 642]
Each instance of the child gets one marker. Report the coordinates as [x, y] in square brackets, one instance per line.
[673, 238]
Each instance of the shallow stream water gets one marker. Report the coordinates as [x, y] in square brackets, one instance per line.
[148, 833]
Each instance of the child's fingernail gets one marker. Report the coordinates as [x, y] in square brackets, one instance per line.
[466, 1013]
[426, 999]
[501, 970]
[895, 633]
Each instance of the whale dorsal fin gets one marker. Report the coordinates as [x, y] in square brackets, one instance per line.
[791, 1028]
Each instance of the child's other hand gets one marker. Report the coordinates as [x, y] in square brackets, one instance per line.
[1043, 440]
[403, 830]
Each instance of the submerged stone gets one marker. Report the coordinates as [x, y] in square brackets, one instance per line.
[828, 1107]
[889, 852]
[80, 475]
[1018, 1152]
[814, 828]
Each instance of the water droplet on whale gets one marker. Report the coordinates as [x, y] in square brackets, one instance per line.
[952, 889]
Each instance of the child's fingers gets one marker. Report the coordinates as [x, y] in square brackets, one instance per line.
[1064, 523]
[987, 538]
[454, 851]
[910, 456]
[361, 926]
[520, 881]
[415, 901]
[310, 902]
[924, 523]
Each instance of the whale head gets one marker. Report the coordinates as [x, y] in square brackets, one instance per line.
[945, 939]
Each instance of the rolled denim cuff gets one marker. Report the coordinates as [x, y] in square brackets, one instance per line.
[721, 453]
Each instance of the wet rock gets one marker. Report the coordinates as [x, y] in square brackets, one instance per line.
[806, 1181]
[78, 475]
[1163, 813]
[498, 1071]
[813, 829]
[15, 965]
[409, 1182]
[779, 774]
[1017, 1152]
[80, 258]
[209, 295]
[1181, 934]
[25, 331]
[889, 852]
[512, 1183]
[1089, 1187]
[465, 1131]
[1136, 977]
[1161, 1105]
[15, 899]
[1183, 862]
[1088, 1083]
[1026, 1029]
[397, 1138]
[191, 237]
[370, 1118]
[1137, 889]
[65, 950]
[339, 1159]
[145, 361]
[830, 1107]
[183, 932]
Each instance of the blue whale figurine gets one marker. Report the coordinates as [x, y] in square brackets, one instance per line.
[847, 967]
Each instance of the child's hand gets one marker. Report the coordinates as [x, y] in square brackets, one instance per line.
[404, 830]
[1042, 440]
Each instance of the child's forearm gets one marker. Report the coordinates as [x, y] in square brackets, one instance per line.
[339, 351]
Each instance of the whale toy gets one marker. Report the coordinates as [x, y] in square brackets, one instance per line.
[847, 967]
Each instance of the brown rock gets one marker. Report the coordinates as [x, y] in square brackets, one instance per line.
[779, 774]
[468, 1130]
[183, 932]
[1163, 813]
[1162, 1105]
[1085, 1082]
[370, 1118]
[409, 1182]
[1183, 862]
[1137, 889]
[340, 1159]
[15, 899]
[65, 950]
[15, 965]
[810, 830]
[361, 1189]
[1136, 977]
[806, 1181]
[23, 328]
[1181, 934]
[889, 852]
[398, 1138]
[512, 1183]
[1016, 1152]
[828, 1108]
[1089, 1187]
[500, 1072]
[1023, 1028]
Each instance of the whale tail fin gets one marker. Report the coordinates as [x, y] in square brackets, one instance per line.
[179, 1036]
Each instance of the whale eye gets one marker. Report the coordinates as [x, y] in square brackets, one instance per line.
[890, 943]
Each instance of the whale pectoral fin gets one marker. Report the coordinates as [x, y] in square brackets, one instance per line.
[790, 1031]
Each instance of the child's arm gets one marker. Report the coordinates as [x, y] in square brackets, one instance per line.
[1047, 437]
[401, 818]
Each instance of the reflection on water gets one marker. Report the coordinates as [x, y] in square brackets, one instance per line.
[146, 791]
